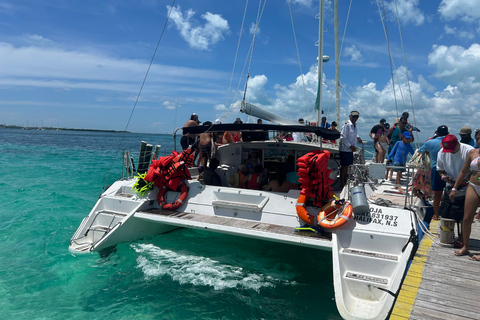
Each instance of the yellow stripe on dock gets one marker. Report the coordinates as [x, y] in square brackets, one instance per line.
[408, 293]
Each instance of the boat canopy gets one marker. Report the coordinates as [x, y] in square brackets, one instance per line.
[321, 132]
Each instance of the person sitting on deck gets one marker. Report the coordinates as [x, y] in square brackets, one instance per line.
[210, 176]
[254, 180]
[236, 180]
[280, 184]
[399, 155]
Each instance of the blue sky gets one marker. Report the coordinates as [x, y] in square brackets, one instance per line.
[81, 64]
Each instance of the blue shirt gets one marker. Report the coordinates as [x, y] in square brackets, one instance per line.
[325, 125]
[432, 146]
[400, 151]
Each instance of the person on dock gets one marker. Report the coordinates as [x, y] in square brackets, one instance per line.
[348, 145]
[433, 146]
[189, 139]
[450, 161]
[465, 136]
[399, 155]
[472, 195]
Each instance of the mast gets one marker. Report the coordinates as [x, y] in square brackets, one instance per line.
[337, 62]
[320, 60]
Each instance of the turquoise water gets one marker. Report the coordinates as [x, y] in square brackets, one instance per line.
[50, 181]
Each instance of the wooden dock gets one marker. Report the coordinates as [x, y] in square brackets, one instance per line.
[440, 285]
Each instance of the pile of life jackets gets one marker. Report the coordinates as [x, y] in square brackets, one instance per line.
[168, 173]
[315, 176]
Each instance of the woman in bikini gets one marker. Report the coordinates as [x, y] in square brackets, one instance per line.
[472, 196]
[381, 142]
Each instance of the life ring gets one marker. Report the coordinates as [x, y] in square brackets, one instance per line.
[175, 205]
[322, 219]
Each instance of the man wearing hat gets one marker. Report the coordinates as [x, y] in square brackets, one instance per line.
[433, 146]
[465, 136]
[324, 123]
[348, 144]
[189, 138]
[450, 160]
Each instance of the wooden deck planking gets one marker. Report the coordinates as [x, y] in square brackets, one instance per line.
[241, 223]
[447, 284]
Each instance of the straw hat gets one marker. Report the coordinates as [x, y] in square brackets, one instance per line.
[233, 180]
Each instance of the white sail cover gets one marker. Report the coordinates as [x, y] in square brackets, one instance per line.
[254, 111]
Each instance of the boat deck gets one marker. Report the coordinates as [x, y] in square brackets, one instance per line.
[248, 228]
[440, 285]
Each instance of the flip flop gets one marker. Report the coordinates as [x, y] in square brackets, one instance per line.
[459, 254]
[458, 244]
[475, 258]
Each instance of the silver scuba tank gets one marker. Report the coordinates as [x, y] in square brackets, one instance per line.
[358, 199]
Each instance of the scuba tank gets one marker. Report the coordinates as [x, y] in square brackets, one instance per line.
[358, 199]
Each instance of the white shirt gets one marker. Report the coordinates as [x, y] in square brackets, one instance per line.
[452, 163]
[348, 136]
[297, 136]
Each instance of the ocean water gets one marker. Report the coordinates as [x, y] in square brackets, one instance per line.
[50, 181]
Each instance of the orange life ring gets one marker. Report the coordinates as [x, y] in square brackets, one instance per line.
[322, 219]
[175, 205]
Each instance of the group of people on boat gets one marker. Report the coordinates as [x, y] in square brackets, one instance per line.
[453, 176]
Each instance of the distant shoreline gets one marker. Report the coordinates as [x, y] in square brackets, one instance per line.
[58, 129]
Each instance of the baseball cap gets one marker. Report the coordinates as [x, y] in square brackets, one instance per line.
[355, 113]
[300, 120]
[238, 120]
[442, 131]
[383, 121]
[449, 143]
[324, 118]
[465, 131]
[407, 134]
[386, 126]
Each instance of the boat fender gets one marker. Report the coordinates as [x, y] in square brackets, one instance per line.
[359, 200]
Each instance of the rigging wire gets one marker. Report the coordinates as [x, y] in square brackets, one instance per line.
[406, 72]
[259, 16]
[236, 55]
[384, 24]
[298, 56]
[139, 93]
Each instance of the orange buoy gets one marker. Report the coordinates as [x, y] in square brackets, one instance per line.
[323, 218]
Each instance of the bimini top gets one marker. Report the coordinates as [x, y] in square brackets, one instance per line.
[321, 132]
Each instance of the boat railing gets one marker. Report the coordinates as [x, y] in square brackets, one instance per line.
[128, 167]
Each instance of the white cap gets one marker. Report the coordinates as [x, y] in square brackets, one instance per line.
[218, 121]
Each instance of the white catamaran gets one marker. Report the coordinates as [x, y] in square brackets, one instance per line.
[370, 230]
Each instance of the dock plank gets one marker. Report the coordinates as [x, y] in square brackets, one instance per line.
[447, 284]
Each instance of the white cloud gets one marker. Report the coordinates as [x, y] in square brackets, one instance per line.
[199, 37]
[461, 34]
[353, 52]
[466, 10]
[408, 11]
[304, 3]
[169, 105]
[219, 107]
[252, 28]
[455, 63]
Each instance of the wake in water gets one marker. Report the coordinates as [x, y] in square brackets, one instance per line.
[202, 271]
